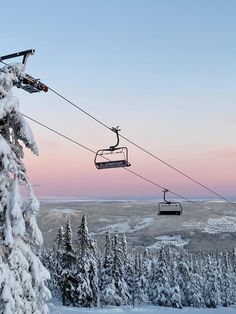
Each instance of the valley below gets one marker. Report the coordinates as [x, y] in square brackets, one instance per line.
[209, 227]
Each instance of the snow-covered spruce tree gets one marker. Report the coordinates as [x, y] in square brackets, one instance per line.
[140, 286]
[226, 287]
[124, 249]
[232, 263]
[195, 289]
[196, 284]
[22, 275]
[87, 280]
[210, 287]
[161, 281]
[53, 263]
[171, 263]
[130, 277]
[121, 295]
[184, 278]
[52, 259]
[48, 258]
[106, 285]
[68, 282]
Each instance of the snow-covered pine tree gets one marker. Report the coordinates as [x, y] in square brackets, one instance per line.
[226, 287]
[210, 286]
[106, 285]
[162, 281]
[196, 284]
[140, 286]
[87, 280]
[48, 259]
[232, 263]
[171, 263]
[124, 249]
[122, 295]
[130, 278]
[68, 280]
[52, 259]
[59, 243]
[54, 263]
[183, 278]
[22, 280]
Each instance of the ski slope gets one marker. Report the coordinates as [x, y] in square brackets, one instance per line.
[59, 309]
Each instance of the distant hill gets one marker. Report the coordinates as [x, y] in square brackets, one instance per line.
[209, 228]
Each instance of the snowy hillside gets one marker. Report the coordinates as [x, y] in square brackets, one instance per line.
[59, 309]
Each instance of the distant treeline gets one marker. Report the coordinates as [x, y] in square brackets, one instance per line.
[85, 276]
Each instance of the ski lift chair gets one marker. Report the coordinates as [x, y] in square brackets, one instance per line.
[168, 207]
[112, 157]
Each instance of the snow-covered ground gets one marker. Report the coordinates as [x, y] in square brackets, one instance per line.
[168, 240]
[59, 309]
[215, 225]
[126, 226]
[63, 211]
[223, 224]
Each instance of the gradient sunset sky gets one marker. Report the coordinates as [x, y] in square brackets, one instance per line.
[164, 71]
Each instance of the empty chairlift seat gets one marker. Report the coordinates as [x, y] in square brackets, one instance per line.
[113, 157]
[169, 208]
[106, 158]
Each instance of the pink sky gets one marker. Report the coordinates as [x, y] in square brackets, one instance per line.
[164, 71]
[71, 172]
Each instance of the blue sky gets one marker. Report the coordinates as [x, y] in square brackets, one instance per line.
[162, 70]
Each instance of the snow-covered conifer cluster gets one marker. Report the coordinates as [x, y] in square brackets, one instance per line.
[171, 276]
[74, 277]
[22, 275]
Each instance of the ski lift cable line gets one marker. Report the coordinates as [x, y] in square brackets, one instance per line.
[93, 152]
[45, 88]
[126, 169]
[139, 147]
[143, 149]
[60, 134]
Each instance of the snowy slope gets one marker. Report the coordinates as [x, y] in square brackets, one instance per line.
[59, 309]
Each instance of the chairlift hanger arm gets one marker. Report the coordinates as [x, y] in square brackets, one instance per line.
[116, 130]
[114, 163]
[164, 195]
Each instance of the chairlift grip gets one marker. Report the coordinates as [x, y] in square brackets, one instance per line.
[164, 196]
[116, 130]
